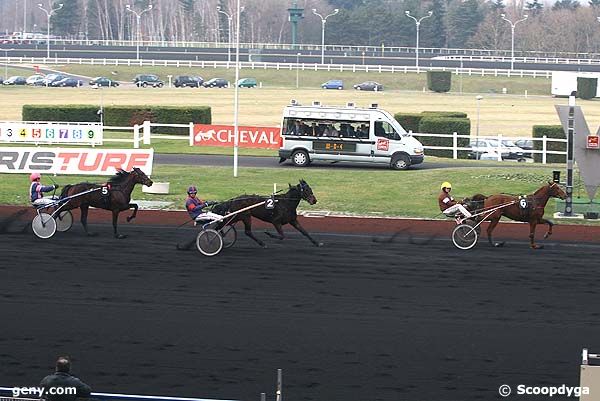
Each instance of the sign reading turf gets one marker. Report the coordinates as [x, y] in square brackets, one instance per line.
[48, 133]
[249, 137]
[74, 160]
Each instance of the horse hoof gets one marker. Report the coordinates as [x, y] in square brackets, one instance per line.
[547, 235]
[499, 244]
[537, 247]
[130, 218]
[319, 244]
[120, 236]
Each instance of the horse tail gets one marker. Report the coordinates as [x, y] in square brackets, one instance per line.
[65, 191]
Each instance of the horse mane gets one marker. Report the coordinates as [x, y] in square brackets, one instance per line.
[545, 187]
[120, 177]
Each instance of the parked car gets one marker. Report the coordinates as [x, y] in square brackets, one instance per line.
[68, 82]
[369, 86]
[333, 84]
[35, 80]
[144, 80]
[15, 80]
[216, 83]
[486, 149]
[51, 78]
[103, 81]
[526, 145]
[186, 81]
[247, 83]
[1, 80]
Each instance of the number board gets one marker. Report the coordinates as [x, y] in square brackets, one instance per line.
[330, 146]
[63, 133]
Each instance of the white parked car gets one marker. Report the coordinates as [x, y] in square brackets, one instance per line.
[36, 80]
[487, 149]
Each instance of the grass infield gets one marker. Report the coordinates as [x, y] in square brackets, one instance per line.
[371, 192]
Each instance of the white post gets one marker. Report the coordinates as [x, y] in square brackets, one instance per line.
[454, 145]
[191, 139]
[146, 132]
[136, 136]
[544, 144]
[499, 147]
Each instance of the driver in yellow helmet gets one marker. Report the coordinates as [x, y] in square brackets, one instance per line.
[447, 203]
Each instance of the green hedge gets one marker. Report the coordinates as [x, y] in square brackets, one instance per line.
[439, 81]
[451, 114]
[122, 115]
[409, 121]
[554, 132]
[444, 125]
[65, 113]
[587, 87]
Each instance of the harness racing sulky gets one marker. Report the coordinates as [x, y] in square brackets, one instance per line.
[115, 195]
[220, 233]
[529, 209]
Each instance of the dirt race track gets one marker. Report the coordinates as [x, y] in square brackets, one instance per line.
[411, 319]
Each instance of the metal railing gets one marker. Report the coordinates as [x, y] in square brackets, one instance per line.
[490, 72]
[306, 47]
[522, 59]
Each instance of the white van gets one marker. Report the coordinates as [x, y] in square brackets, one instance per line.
[371, 135]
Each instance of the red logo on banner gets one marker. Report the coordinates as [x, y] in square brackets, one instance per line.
[592, 142]
[249, 137]
[383, 144]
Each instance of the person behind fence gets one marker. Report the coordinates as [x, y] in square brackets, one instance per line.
[36, 190]
[448, 205]
[62, 385]
[195, 206]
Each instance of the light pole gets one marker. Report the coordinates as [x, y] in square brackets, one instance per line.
[229, 20]
[138, 16]
[478, 98]
[24, 18]
[323, 21]
[49, 14]
[6, 62]
[298, 70]
[512, 40]
[236, 104]
[418, 23]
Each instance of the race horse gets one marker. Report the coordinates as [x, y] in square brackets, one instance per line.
[282, 213]
[115, 196]
[529, 208]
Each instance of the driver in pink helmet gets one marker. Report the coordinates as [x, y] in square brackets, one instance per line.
[36, 190]
[195, 206]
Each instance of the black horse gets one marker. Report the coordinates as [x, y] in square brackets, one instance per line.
[115, 196]
[282, 213]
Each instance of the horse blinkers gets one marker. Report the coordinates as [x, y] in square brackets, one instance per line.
[307, 193]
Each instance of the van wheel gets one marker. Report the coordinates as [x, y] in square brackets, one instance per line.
[300, 158]
[400, 162]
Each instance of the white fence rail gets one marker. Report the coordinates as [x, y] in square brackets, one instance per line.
[534, 60]
[490, 72]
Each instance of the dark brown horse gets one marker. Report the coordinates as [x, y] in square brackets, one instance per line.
[528, 209]
[282, 213]
[115, 196]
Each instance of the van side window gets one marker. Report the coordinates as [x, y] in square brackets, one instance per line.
[384, 129]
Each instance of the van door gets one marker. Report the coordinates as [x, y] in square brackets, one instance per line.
[385, 137]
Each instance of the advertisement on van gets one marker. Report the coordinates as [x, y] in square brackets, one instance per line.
[249, 137]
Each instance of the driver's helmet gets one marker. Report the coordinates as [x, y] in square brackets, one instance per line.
[446, 185]
[192, 190]
[35, 176]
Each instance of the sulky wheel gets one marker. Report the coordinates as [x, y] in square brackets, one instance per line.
[209, 242]
[464, 236]
[475, 224]
[43, 225]
[64, 221]
[229, 235]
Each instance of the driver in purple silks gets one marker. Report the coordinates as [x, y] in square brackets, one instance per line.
[36, 190]
[195, 206]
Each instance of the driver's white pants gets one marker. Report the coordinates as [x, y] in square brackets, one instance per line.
[457, 208]
[207, 217]
[43, 201]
